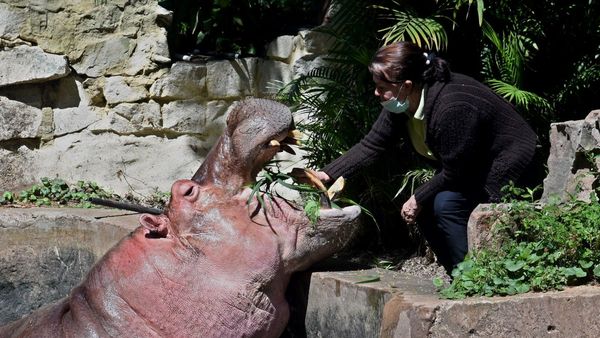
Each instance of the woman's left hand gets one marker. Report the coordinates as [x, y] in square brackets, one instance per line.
[410, 210]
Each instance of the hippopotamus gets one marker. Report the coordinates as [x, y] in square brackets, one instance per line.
[215, 263]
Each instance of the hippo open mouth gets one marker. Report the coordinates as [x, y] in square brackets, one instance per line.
[257, 129]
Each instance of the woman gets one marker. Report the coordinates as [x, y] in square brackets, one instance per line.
[477, 138]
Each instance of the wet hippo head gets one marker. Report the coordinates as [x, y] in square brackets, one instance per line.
[215, 264]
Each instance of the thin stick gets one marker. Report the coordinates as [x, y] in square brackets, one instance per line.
[126, 206]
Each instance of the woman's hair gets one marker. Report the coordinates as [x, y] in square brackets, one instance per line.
[404, 60]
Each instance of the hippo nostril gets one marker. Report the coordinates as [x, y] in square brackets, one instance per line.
[184, 189]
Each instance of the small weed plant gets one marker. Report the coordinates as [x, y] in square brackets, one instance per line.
[543, 248]
[271, 176]
[57, 192]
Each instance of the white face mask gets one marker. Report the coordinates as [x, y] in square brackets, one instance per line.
[394, 105]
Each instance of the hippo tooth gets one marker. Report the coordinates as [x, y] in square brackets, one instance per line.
[287, 149]
[295, 133]
[282, 147]
[294, 137]
[336, 187]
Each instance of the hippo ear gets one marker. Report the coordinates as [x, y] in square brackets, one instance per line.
[155, 224]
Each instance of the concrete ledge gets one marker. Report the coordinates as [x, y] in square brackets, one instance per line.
[404, 306]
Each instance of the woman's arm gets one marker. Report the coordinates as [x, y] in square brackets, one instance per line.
[384, 133]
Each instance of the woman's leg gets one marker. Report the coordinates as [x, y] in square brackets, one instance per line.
[444, 225]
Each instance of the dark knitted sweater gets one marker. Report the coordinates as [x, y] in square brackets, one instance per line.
[478, 137]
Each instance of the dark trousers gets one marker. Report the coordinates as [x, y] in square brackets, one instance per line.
[444, 225]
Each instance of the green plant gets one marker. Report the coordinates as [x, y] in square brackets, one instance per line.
[336, 108]
[504, 58]
[544, 249]
[264, 189]
[336, 98]
[513, 193]
[157, 199]
[7, 197]
[415, 178]
[271, 176]
[58, 191]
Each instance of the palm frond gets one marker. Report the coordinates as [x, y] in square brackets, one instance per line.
[490, 33]
[586, 73]
[507, 56]
[521, 98]
[458, 6]
[425, 32]
[415, 178]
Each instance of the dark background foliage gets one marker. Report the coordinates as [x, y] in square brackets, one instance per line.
[225, 27]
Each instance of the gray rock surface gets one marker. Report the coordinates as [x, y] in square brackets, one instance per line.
[11, 21]
[117, 90]
[18, 120]
[70, 120]
[209, 118]
[24, 64]
[481, 228]
[119, 163]
[574, 159]
[183, 81]
[231, 79]
[107, 57]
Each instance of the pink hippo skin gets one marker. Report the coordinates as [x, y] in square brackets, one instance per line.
[211, 265]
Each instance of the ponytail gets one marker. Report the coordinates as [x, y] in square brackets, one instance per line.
[436, 69]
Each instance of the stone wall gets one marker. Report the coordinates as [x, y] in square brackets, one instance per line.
[88, 91]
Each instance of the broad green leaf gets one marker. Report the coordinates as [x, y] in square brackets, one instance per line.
[438, 282]
[597, 270]
[513, 266]
[311, 208]
[522, 288]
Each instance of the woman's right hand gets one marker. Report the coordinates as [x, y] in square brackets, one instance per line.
[410, 210]
[322, 176]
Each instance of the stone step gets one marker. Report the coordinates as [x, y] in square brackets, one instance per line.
[399, 305]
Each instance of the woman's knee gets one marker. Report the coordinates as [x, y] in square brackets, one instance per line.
[448, 202]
